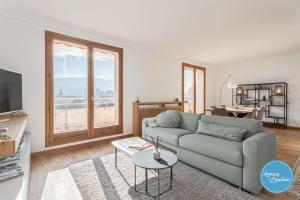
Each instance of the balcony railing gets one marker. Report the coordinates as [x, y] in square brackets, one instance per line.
[78, 102]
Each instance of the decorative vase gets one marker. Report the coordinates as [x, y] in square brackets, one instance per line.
[278, 90]
[156, 154]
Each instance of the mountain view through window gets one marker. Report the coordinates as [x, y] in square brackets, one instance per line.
[70, 74]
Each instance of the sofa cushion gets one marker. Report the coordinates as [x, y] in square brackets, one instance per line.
[252, 126]
[221, 131]
[168, 119]
[168, 135]
[152, 123]
[189, 121]
[217, 148]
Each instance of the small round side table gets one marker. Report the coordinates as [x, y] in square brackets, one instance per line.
[144, 159]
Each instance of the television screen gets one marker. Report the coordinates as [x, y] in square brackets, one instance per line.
[10, 91]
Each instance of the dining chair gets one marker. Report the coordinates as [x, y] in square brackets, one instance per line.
[221, 112]
[251, 115]
[260, 113]
[212, 111]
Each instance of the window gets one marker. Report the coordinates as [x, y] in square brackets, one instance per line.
[193, 88]
[83, 89]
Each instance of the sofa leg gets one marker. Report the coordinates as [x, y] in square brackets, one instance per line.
[240, 188]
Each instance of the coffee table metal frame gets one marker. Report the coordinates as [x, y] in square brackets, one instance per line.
[159, 193]
[120, 145]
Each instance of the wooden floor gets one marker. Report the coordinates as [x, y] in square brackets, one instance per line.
[288, 150]
[42, 166]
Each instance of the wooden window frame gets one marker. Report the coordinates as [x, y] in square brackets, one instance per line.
[194, 68]
[52, 139]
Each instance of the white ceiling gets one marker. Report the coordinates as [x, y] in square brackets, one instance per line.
[214, 31]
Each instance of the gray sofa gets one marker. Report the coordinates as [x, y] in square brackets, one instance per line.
[238, 163]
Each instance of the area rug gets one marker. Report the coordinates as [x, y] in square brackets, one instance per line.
[98, 178]
[295, 188]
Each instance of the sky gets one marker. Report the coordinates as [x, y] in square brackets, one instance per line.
[70, 70]
[70, 61]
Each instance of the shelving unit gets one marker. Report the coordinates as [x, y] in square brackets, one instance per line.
[16, 188]
[262, 95]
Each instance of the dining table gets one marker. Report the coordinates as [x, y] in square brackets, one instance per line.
[236, 111]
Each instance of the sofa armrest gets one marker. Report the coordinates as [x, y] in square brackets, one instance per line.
[257, 151]
[145, 123]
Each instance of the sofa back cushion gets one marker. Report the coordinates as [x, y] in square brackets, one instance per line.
[252, 126]
[189, 121]
[221, 131]
[168, 119]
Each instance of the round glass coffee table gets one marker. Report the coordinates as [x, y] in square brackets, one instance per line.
[144, 159]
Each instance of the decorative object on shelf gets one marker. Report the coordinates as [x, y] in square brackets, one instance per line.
[278, 90]
[3, 130]
[10, 140]
[137, 100]
[176, 100]
[13, 158]
[162, 105]
[156, 141]
[4, 137]
[239, 96]
[230, 85]
[10, 171]
[245, 92]
[259, 87]
[264, 98]
[239, 91]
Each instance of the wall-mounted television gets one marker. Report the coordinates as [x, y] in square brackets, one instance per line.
[10, 91]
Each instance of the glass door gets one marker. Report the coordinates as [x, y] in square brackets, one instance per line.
[70, 87]
[200, 90]
[106, 92]
[193, 88]
[189, 89]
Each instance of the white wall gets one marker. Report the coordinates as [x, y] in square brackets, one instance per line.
[146, 74]
[268, 70]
